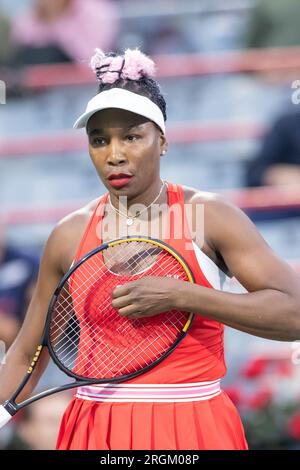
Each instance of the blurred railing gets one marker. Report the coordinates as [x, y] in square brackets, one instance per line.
[255, 200]
[179, 133]
[39, 77]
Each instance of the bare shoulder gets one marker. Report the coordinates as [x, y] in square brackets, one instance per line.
[215, 205]
[210, 199]
[224, 222]
[67, 234]
[76, 220]
[226, 226]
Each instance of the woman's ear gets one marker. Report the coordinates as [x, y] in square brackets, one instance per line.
[163, 144]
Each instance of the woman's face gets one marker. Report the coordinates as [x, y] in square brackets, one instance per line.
[121, 142]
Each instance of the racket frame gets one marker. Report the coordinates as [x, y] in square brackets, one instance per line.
[12, 407]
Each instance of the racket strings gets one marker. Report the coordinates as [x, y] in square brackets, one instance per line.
[90, 337]
[126, 328]
[124, 331]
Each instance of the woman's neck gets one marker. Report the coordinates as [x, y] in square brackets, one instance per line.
[156, 193]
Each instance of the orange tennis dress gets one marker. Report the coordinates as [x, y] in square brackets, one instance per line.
[179, 404]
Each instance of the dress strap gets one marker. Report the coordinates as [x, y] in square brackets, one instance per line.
[92, 235]
[178, 225]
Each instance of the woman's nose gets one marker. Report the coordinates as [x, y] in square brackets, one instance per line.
[116, 154]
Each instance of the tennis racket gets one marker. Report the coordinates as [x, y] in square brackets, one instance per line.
[87, 338]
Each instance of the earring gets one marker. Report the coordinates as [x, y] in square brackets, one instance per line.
[163, 152]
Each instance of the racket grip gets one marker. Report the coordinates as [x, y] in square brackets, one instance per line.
[5, 416]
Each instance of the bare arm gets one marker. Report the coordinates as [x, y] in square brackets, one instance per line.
[23, 348]
[271, 308]
[58, 255]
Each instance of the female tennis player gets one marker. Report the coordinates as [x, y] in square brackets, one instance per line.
[179, 404]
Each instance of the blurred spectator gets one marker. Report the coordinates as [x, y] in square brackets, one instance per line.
[18, 273]
[38, 428]
[278, 162]
[274, 23]
[64, 30]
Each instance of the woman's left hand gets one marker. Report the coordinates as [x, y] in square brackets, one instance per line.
[147, 296]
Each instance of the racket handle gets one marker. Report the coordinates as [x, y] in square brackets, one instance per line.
[5, 416]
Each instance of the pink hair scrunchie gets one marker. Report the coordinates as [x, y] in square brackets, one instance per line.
[132, 66]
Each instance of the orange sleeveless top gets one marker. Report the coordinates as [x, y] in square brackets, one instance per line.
[200, 356]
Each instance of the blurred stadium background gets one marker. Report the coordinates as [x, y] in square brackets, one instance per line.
[226, 69]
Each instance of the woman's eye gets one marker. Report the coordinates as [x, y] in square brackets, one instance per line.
[132, 137]
[98, 141]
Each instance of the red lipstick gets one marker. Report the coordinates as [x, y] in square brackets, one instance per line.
[119, 179]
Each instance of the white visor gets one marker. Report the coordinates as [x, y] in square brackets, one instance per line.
[122, 99]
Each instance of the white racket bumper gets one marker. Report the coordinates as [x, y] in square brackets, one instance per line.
[5, 416]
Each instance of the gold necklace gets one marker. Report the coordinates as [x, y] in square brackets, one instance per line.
[130, 219]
